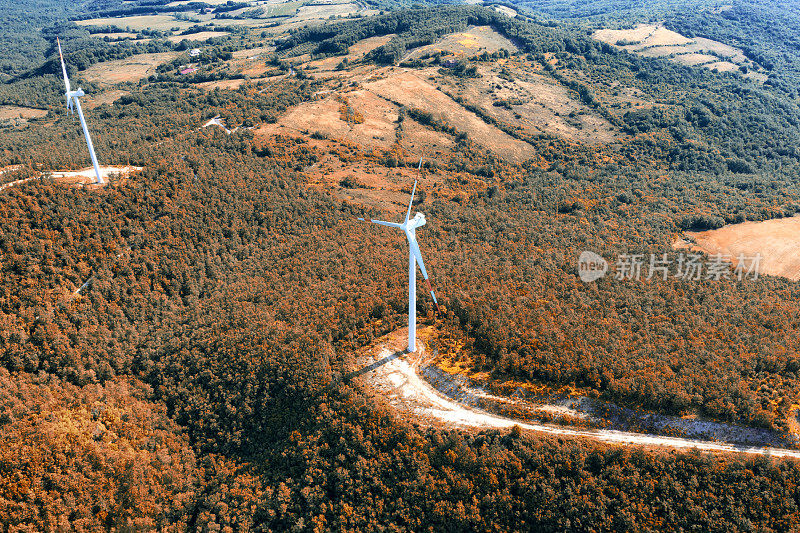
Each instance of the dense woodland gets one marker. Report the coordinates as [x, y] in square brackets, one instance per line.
[196, 382]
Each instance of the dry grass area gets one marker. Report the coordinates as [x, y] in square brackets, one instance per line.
[777, 241]
[130, 69]
[694, 60]
[536, 103]
[475, 40]
[116, 35]
[370, 185]
[410, 88]
[140, 22]
[90, 101]
[221, 84]
[323, 9]
[199, 36]
[505, 10]
[377, 187]
[253, 53]
[722, 66]
[355, 53]
[210, 2]
[656, 41]
[324, 116]
[11, 112]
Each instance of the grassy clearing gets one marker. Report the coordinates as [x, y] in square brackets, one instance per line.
[141, 22]
[199, 36]
[10, 112]
[656, 41]
[476, 39]
[130, 69]
[777, 241]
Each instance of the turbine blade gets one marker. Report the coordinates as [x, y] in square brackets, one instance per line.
[63, 68]
[414, 190]
[412, 243]
[382, 223]
[414, 246]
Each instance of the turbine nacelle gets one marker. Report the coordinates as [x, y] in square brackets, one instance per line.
[71, 95]
[416, 222]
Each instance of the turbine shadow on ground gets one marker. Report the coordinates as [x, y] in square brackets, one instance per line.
[373, 366]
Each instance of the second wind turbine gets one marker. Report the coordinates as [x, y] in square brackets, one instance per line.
[72, 98]
[409, 227]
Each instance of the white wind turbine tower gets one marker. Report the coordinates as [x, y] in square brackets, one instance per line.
[72, 96]
[409, 227]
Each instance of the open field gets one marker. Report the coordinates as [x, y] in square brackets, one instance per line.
[130, 69]
[10, 112]
[140, 22]
[199, 36]
[722, 66]
[354, 53]
[370, 185]
[777, 241]
[251, 22]
[651, 40]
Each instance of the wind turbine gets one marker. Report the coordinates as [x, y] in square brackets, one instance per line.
[409, 227]
[72, 96]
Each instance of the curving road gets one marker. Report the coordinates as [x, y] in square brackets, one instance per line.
[396, 377]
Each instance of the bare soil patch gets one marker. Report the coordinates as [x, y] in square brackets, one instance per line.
[221, 84]
[253, 53]
[324, 9]
[324, 117]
